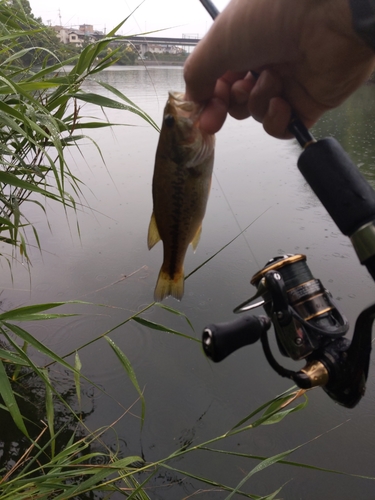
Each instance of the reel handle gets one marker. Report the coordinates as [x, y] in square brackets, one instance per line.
[220, 340]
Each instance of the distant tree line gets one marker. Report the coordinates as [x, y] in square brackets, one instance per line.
[181, 57]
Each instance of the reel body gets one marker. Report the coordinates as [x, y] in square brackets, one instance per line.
[301, 309]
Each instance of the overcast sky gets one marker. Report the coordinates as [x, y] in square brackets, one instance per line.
[179, 16]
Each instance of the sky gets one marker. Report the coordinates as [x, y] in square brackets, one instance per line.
[176, 17]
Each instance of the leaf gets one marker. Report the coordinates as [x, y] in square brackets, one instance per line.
[272, 495]
[11, 357]
[174, 311]
[13, 180]
[286, 394]
[131, 103]
[27, 337]
[7, 394]
[50, 411]
[131, 374]
[98, 475]
[260, 467]
[28, 313]
[156, 326]
[274, 414]
[77, 378]
[205, 480]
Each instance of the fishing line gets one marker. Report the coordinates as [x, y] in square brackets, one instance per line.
[235, 218]
[226, 245]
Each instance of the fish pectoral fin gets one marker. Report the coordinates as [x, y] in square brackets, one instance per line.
[169, 285]
[195, 240]
[205, 150]
[153, 233]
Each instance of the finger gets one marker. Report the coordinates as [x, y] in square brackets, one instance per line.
[277, 119]
[239, 97]
[268, 86]
[215, 112]
[213, 116]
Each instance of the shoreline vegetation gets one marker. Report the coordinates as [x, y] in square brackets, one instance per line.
[143, 62]
[151, 58]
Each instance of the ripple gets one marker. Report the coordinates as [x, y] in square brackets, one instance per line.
[94, 391]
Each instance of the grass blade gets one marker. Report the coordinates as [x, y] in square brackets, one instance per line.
[161, 328]
[175, 311]
[50, 410]
[131, 374]
[260, 467]
[77, 377]
[7, 394]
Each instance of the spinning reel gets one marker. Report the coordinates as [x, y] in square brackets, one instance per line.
[308, 326]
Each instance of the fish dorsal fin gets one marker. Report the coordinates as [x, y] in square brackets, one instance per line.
[195, 240]
[153, 233]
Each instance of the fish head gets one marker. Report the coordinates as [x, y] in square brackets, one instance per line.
[180, 130]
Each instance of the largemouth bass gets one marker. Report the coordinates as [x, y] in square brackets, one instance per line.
[180, 188]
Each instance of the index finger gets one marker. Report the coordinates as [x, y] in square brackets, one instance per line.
[215, 112]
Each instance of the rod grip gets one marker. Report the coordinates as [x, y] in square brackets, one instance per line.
[339, 185]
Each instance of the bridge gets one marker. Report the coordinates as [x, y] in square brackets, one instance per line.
[141, 43]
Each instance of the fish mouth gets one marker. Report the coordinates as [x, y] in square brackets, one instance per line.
[184, 108]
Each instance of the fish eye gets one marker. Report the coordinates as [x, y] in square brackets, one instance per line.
[169, 120]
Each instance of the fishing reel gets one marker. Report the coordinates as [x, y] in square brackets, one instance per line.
[308, 326]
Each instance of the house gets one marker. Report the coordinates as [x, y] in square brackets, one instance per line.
[61, 33]
[77, 37]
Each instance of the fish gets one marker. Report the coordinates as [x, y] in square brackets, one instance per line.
[180, 188]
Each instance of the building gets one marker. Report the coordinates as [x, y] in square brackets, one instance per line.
[77, 37]
[163, 49]
[61, 33]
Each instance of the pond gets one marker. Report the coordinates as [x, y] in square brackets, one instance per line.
[189, 399]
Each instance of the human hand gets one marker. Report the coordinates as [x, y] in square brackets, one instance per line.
[307, 53]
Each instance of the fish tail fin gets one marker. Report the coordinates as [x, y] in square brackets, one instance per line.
[167, 285]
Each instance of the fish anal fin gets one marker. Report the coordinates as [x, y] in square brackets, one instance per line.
[167, 285]
[153, 232]
[195, 240]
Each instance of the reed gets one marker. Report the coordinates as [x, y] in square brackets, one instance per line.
[41, 116]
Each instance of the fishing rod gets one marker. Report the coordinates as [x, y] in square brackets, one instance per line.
[308, 324]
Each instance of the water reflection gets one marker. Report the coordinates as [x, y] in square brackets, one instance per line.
[353, 126]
